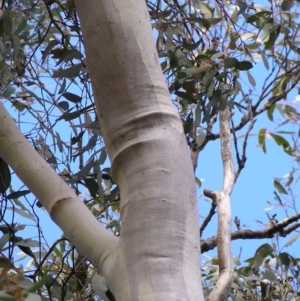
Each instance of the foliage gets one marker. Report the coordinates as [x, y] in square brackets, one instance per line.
[207, 51]
[269, 275]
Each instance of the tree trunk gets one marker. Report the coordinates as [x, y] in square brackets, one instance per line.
[157, 256]
[158, 253]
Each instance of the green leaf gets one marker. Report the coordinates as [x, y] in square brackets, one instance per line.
[188, 124]
[69, 72]
[206, 11]
[5, 176]
[264, 250]
[262, 139]
[286, 259]
[214, 21]
[244, 65]
[286, 5]
[63, 105]
[164, 65]
[264, 59]
[6, 297]
[49, 47]
[270, 111]
[69, 116]
[92, 186]
[8, 91]
[272, 37]
[290, 180]
[203, 22]
[230, 62]
[269, 275]
[294, 237]
[72, 97]
[260, 15]
[103, 156]
[279, 187]
[3, 240]
[72, 54]
[281, 142]
[185, 96]
[62, 87]
[192, 46]
[251, 79]
[44, 280]
[197, 115]
[18, 194]
[281, 85]
[198, 182]
[217, 55]
[21, 27]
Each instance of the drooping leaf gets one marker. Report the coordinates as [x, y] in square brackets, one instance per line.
[21, 27]
[281, 142]
[272, 37]
[204, 8]
[77, 138]
[198, 182]
[260, 15]
[5, 176]
[32, 297]
[270, 111]
[188, 124]
[230, 62]
[8, 91]
[49, 47]
[191, 46]
[103, 156]
[264, 250]
[185, 96]
[286, 5]
[92, 186]
[37, 285]
[262, 139]
[214, 21]
[203, 22]
[63, 86]
[67, 116]
[217, 55]
[19, 241]
[70, 72]
[294, 237]
[72, 54]
[197, 115]
[18, 194]
[251, 79]
[269, 275]
[279, 187]
[244, 65]
[3, 240]
[264, 59]
[64, 105]
[6, 297]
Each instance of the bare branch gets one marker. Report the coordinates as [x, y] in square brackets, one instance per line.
[209, 216]
[286, 226]
[222, 199]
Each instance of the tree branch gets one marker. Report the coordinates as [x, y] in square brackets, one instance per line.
[222, 199]
[63, 205]
[209, 216]
[285, 227]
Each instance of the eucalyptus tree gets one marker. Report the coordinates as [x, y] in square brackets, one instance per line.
[134, 218]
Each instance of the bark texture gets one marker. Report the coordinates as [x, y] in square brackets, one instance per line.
[158, 253]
